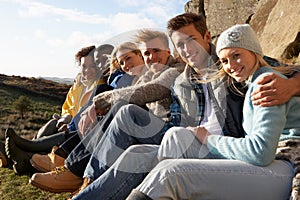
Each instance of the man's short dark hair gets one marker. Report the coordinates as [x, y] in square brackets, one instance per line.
[186, 19]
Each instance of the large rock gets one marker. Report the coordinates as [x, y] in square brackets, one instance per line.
[277, 23]
[222, 14]
[195, 6]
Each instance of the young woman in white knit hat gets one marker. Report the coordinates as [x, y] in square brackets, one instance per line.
[223, 167]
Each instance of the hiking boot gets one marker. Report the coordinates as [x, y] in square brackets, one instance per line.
[46, 163]
[86, 182]
[20, 158]
[59, 180]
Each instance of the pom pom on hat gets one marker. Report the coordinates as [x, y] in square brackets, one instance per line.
[240, 36]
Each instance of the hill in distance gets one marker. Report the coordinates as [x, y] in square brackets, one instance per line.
[46, 98]
[68, 81]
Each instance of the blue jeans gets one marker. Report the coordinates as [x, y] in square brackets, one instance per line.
[218, 179]
[202, 175]
[126, 173]
[79, 157]
[199, 176]
[131, 125]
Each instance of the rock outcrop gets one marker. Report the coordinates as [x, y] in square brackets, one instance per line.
[277, 22]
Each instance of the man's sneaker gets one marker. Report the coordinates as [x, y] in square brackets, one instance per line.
[59, 180]
[46, 163]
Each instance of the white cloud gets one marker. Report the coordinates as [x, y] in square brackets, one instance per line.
[77, 40]
[36, 9]
[130, 3]
[122, 22]
[39, 34]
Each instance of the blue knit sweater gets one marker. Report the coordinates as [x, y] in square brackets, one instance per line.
[264, 127]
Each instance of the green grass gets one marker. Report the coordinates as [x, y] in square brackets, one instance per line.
[13, 186]
[17, 187]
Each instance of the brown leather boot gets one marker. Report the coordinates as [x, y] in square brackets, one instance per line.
[4, 160]
[59, 180]
[46, 163]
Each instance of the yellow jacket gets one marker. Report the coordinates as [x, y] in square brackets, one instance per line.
[78, 96]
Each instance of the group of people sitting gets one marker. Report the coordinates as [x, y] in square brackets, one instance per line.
[218, 122]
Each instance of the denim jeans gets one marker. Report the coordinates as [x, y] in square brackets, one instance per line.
[78, 159]
[131, 125]
[70, 143]
[218, 179]
[199, 176]
[132, 166]
[202, 175]
[126, 173]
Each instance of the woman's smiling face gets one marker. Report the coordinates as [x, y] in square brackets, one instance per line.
[130, 62]
[237, 62]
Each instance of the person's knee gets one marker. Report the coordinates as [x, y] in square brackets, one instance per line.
[142, 148]
[127, 109]
[164, 168]
[176, 133]
[135, 114]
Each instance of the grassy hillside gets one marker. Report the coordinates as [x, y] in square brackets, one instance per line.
[46, 98]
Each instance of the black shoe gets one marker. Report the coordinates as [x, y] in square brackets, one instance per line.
[20, 158]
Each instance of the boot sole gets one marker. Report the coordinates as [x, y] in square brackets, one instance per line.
[53, 190]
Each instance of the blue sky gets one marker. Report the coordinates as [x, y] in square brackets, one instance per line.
[40, 38]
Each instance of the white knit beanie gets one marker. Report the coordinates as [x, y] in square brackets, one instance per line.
[241, 36]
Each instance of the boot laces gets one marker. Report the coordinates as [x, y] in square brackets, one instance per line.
[60, 170]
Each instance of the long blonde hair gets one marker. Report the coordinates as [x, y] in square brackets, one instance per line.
[260, 62]
[239, 87]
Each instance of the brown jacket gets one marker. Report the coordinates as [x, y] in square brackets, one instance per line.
[151, 89]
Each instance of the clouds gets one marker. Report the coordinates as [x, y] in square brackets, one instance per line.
[139, 14]
[114, 23]
[60, 28]
[36, 9]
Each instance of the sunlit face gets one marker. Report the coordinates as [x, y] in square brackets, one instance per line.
[237, 62]
[130, 62]
[101, 57]
[155, 54]
[192, 47]
[89, 69]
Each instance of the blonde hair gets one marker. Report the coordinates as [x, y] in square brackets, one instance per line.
[260, 62]
[114, 63]
[145, 35]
